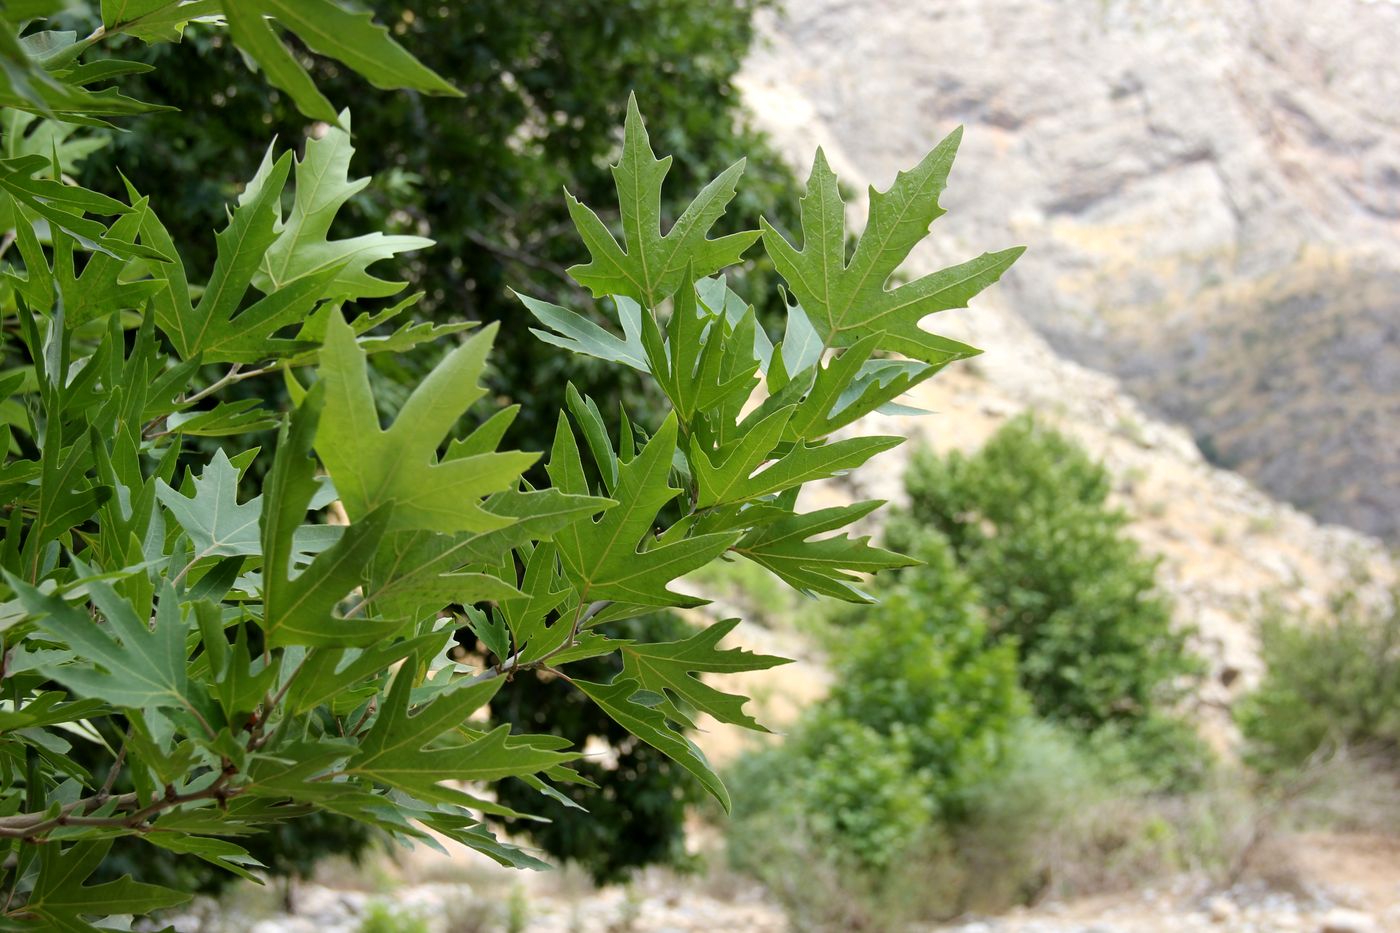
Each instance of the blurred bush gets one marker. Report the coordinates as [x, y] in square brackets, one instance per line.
[1029, 522]
[1332, 685]
[1001, 723]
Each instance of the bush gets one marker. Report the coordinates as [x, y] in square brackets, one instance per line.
[877, 777]
[1331, 685]
[1029, 522]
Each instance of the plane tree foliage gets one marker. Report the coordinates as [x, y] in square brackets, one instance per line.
[242, 659]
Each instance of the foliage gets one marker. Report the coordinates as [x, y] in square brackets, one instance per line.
[1332, 685]
[545, 86]
[1028, 519]
[243, 662]
[635, 815]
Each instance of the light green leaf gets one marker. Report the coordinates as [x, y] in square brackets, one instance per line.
[302, 249]
[218, 525]
[848, 301]
[300, 610]
[354, 39]
[252, 33]
[396, 750]
[650, 266]
[606, 559]
[373, 467]
[741, 475]
[129, 664]
[828, 566]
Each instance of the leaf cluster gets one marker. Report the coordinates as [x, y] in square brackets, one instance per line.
[244, 660]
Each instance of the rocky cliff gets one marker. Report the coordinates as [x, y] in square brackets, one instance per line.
[1208, 191]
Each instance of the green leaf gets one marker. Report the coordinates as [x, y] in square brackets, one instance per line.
[649, 724]
[373, 467]
[577, 334]
[215, 327]
[218, 525]
[129, 664]
[61, 899]
[353, 39]
[252, 34]
[828, 566]
[606, 559]
[670, 668]
[300, 610]
[738, 477]
[652, 266]
[302, 249]
[395, 750]
[848, 301]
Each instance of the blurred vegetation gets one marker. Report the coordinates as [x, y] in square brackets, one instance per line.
[1332, 687]
[1001, 723]
[1029, 521]
[546, 88]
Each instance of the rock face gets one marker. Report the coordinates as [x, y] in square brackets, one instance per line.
[1134, 145]
[1210, 190]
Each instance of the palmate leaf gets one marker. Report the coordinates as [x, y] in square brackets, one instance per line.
[396, 751]
[217, 523]
[373, 467]
[650, 266]
[670, 669]
[605, 559]
[300, 610]
[650, 725]
[827, 566]
[60, 899]
[353, 39]
[215, 327]
[416, 568]
[737, 476]
[129, 664]
[848, 301]
[302, 249]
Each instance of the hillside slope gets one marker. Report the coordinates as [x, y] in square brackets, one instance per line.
[847, 77]
[1211, 191]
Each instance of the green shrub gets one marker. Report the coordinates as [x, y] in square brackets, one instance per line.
[1331, 684]
[919, 664]
[875, 779]
[1029, 522]
[384, 918]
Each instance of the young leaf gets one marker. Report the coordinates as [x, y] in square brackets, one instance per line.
[848, 301]
[302, 249]
[651, 266]
[218, 525]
